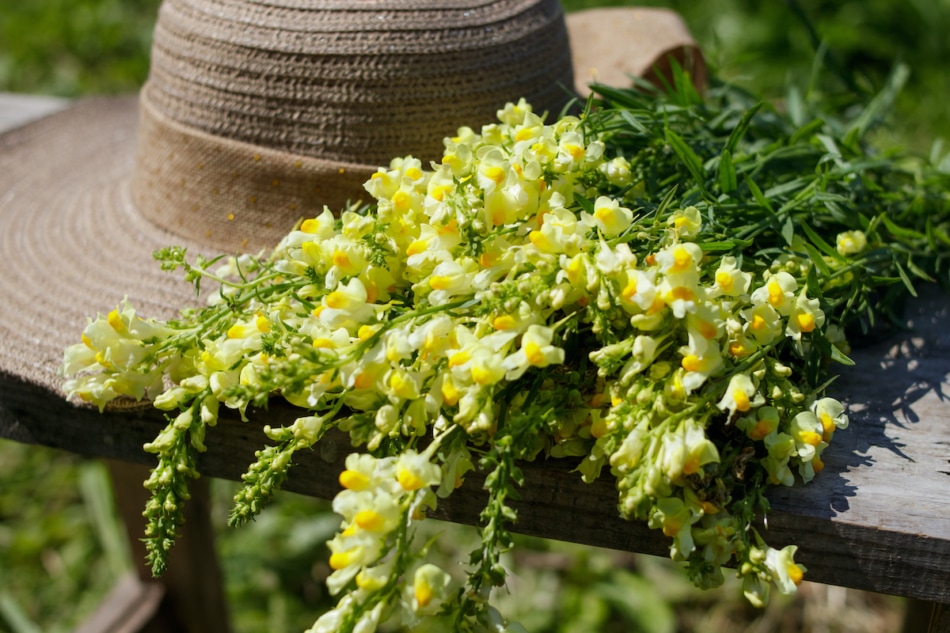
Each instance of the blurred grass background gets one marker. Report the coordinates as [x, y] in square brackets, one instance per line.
[61, 547]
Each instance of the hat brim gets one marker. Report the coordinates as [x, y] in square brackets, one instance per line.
[73, 244]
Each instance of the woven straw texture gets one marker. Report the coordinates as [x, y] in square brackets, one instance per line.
[656, 37]
[356, 82]
[256, 114]
[71, 240]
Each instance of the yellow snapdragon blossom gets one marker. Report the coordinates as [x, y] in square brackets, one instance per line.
[536, 351]
[850, 242]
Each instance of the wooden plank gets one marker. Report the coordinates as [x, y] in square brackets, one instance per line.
[877, 518]
[128, 608]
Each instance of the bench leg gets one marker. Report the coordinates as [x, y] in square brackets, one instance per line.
[194, 599]
[927, 617]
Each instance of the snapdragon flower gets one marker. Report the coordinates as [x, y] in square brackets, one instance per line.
[523, 296]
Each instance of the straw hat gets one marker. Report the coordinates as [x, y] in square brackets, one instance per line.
[256, 114]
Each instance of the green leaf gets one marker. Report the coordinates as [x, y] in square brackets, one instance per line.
[757, 194]
[584, 203]
[788, 230]
[840, 357]
[726, 245]
[917, 270]
[806, 131]
[897, 231]
[818, 260]
[632, 121]
[875, 112]
[905, 278]
[817, 240]
[739, 131]
[688, 157]
[15, 616]
[727, 172]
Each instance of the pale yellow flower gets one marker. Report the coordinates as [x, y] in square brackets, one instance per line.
[786, 573]
[763, 323]
[346, 306]
[686, 223]
[414, 471]
[686, 451]
[430, 587]
[450, 279]
[831, 415]
[741, 395]
[698, 365]
[617, 171]
[762, 422]
[560, 232]
[805, 317]
[609, 217]
[639, 290]
[778, 292]
[536, 351]
[676, 519]
[494, 171]
[850, 242]
[781, 447]
[808, 434]
[730, 280]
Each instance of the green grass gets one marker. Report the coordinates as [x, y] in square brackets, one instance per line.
[60, 546]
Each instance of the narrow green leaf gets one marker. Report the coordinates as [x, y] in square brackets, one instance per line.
[584, 203]
[905, 278]
[818, 260]
[917, 270]
[726, 245]
[739, 131]
[840, 357]
[806, 131]
[795, 105]
[898, 231]
[817, 240]
[788, 230]
[15, 616]
[688, 157]
[632, 121]
[727, 172]
[792, 186]
[880, 105]
[941, 235]
[757, 194]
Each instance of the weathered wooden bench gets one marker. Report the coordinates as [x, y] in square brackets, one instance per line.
[877, 518]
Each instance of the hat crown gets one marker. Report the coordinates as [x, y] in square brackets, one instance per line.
[355, 82]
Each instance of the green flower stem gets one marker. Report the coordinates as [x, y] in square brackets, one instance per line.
[177, 448]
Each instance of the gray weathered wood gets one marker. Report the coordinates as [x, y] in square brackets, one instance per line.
[128, 608]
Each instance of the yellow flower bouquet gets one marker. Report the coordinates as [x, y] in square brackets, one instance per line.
[655, 288]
